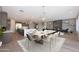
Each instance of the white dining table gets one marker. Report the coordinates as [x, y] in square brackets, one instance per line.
[41, 33]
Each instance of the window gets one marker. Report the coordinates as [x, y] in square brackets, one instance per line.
[18, 25]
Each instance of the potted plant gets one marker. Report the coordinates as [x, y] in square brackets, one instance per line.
[1, 34]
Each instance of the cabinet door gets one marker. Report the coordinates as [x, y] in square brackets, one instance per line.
[3, 18]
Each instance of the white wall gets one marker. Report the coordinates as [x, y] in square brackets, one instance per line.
[77, 24]
[12, 25]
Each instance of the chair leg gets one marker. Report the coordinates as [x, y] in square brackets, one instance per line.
[50, 46]
[28, 44]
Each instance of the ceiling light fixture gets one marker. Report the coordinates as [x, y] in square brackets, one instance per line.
[44, 13]
[21, 10]
[44, 17]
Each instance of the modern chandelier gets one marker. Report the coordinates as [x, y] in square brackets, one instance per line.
[44, 16]
[44, 13]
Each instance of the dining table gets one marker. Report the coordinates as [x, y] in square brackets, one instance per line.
[44, 33]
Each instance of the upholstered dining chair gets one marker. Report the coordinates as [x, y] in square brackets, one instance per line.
[34, 38]
[55, 35]
[29, 37]
[51, 38]
[50, 41]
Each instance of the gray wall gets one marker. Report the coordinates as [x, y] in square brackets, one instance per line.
[70, 24]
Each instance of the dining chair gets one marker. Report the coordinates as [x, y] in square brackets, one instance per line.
[34, 38]
[49, 40]
[29, 37]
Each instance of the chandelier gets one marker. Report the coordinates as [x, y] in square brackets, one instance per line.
[44, 17]
[44, 13]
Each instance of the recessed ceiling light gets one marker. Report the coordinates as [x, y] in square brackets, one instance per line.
[21, 10]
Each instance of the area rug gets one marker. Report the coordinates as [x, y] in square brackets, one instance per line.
[31, 46]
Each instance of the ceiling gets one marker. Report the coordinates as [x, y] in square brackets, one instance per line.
[36, 12]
